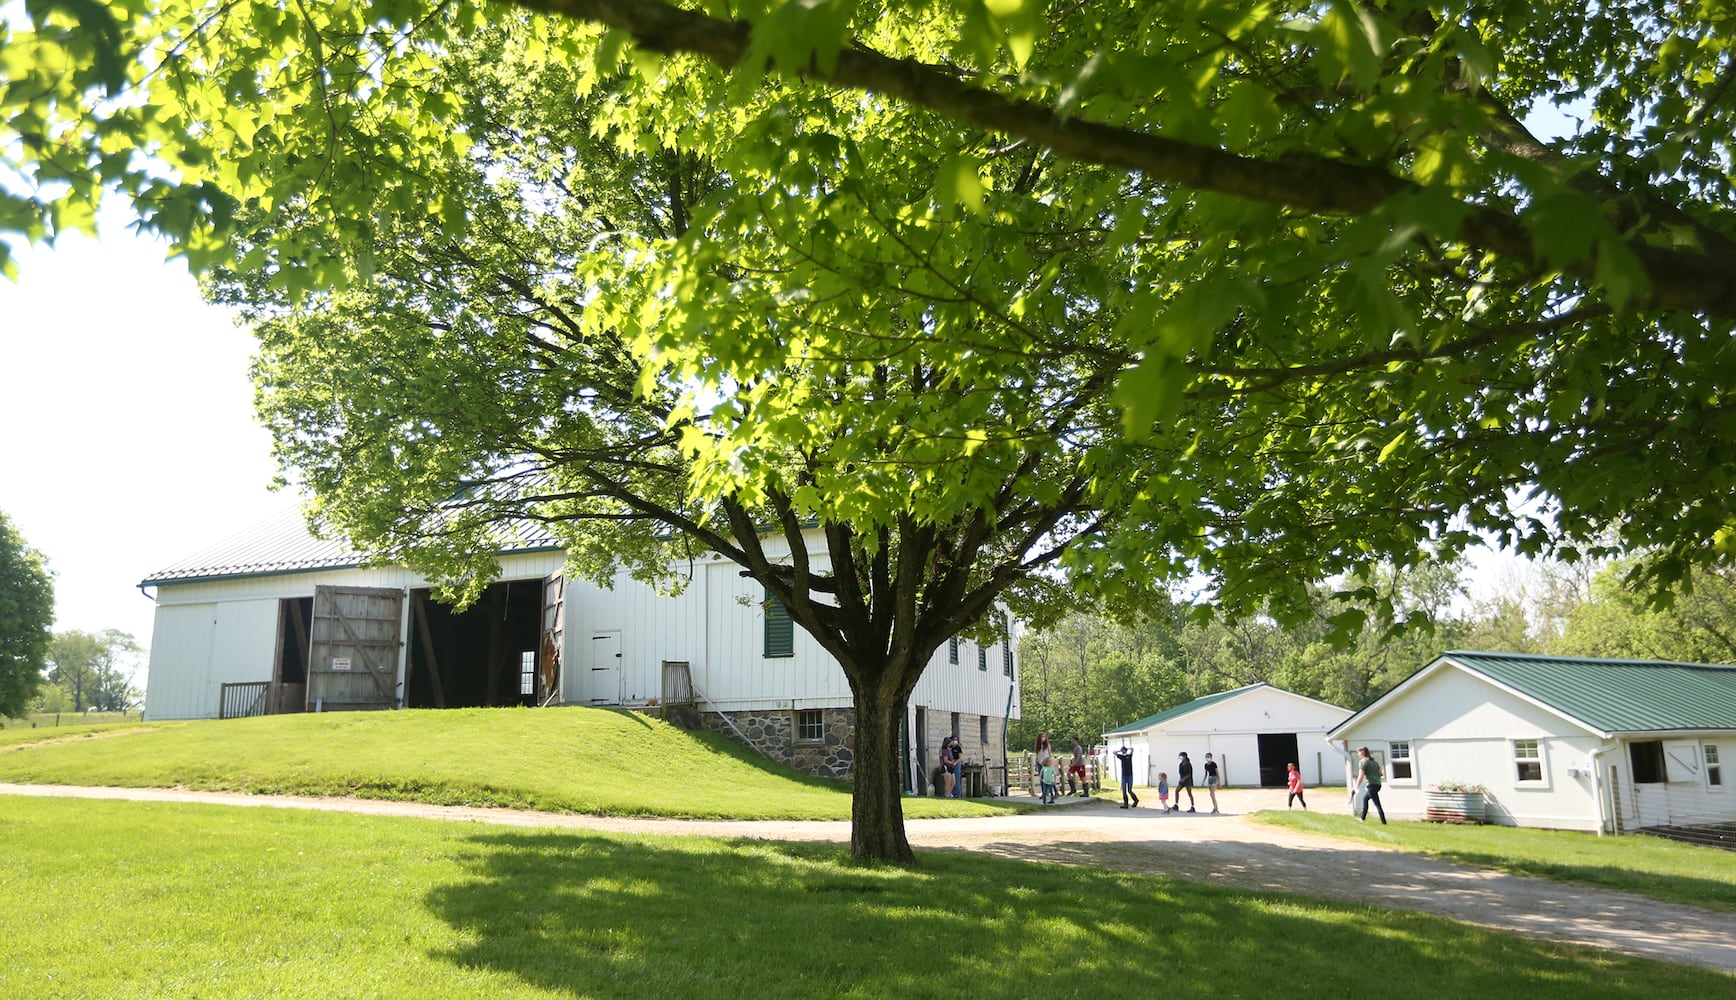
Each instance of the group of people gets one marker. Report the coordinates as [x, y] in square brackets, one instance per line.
[1364, 793]
[1049, 771]
[951, 768]
[1184, 782]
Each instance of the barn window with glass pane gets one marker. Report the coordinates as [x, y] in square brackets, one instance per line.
[810, 725]
[1401, 761]
[1528, 758]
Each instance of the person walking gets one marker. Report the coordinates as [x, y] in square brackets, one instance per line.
[1124, 757]
[1184, 782]
[1212, 779]
[1295, 781]
[957, 767]
[948, 768]
[1076, 770]
[1050, 797]
[1368, 786]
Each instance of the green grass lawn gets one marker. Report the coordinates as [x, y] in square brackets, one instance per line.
[1647, 866]
[132, 900]
[581, 760]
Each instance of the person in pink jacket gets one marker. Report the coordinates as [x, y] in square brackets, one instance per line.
[1295, 789]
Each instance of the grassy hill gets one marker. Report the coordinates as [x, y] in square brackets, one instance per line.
[582, 760]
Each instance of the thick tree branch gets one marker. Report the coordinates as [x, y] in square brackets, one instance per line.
[1680, 279]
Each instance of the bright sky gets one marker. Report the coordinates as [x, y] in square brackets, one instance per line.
[127, 439]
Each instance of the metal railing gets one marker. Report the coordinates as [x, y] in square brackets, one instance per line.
[244, 700]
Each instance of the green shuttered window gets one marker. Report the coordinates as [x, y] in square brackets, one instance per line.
[780, 631]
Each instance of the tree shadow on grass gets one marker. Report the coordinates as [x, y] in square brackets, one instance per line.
[590, 915]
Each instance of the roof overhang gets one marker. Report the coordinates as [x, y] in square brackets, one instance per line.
[1446, 662]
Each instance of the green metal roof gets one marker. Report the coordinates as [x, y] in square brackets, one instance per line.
[1614, 696]
[1182, 709]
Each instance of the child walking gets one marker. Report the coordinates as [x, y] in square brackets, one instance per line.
[1162, 791]
[1295, 789]
[1049, 796]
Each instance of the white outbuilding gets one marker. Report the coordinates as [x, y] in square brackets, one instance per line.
[1559, 742]
[275, 620]
[1254, 733]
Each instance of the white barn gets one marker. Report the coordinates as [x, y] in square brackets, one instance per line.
[1253, 732]
[1565, 743]
[275, 620]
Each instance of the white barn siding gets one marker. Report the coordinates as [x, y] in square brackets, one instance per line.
[213, 631]
[1687, 796]
[180, 662]
[1229, 730]
[208, 633]
[197, 648]
[1461, 728]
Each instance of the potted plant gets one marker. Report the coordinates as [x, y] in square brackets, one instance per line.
[1454, 802]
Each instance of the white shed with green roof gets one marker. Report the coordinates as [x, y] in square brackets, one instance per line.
[1253, 732]
[1558, 742]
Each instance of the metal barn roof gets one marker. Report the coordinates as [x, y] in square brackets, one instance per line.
[1182, 709]
[1614, 696]
[284, 544]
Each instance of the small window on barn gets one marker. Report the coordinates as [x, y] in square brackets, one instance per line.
[1007, 645]
[982, 657]
[1400, 767]
[527, 672]
[983, 734]
[810, 725]
[1714, 773]
[780, 630]
[952, 650]
[1648, 762]
[1528, 760]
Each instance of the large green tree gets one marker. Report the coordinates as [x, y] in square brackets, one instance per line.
[1260, 293]
[1696, 624]
[26, 617]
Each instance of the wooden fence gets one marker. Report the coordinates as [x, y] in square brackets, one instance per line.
[1027, 776]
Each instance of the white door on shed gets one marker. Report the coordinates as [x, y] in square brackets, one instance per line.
[604, 684]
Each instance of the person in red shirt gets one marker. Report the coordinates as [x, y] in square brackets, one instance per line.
[1295, 789]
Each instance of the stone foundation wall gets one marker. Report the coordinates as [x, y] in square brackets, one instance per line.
[773, 735]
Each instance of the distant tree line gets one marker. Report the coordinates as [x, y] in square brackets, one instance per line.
[1096, 669]
[91, 671]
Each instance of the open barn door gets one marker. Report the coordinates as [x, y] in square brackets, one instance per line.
[554, 639]
[353, 658]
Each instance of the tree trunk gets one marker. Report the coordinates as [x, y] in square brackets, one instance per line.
[877, 807]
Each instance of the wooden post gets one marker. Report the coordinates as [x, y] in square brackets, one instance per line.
[428, 644]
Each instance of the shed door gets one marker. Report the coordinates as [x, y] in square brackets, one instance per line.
[1682, 762]
[353, 656]
[604, 684]
[554, 633]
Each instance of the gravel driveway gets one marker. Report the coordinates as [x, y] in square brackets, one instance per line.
[1224, 849]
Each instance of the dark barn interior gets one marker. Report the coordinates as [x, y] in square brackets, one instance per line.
[482, 656]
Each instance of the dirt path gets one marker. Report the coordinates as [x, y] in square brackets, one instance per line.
[1224, 849]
